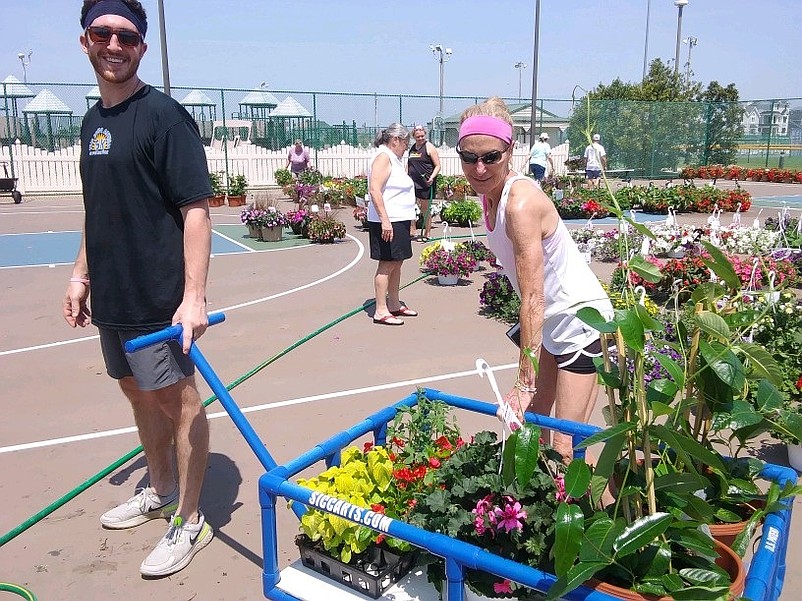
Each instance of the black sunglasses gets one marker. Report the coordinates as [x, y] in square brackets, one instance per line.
[102, 35]
[488, 158]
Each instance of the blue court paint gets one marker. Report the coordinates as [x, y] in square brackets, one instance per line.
[641, 217]
[60, 248]
[793, 201]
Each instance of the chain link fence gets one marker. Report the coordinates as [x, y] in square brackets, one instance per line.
[653, 139]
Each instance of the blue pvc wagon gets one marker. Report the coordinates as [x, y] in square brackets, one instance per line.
[764, 579]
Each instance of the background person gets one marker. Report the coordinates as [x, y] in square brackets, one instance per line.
[145, 246]
[390, 216]
[596, 160]
[540, 157]
[545, 268]
[298, 159]
[423, 165]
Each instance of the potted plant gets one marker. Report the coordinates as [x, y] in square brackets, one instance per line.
[450, 265]
[299, 221]
[461, 212]
[272, 225]
[326, 229]
[218, 191]
[237, 188]
[283, 177]
[254, 218]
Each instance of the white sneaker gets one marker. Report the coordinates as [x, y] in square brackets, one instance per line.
[178, 547]
[146, 505]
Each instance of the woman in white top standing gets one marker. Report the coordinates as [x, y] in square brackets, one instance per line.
[546, 269]
[390, 214]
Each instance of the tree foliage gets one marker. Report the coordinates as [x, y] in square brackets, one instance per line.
[660, 123]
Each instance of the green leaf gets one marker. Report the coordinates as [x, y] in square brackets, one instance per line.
[762, 363]
[681, 481]
[596, 320]
[648, 271]
[659, 409]
[568, 531]
[661, 391]
[631, 328]
[768, 397]
[649, 322]
[721, 266]
[672, 367]
[577, 478]
[700, 593]
[599, 538]
[508, 459]
[640, 227]
[641, 532]
[713, 324]
[689, 449]
[723, 362]
[740, 415]
[527, 453]
[576, 575]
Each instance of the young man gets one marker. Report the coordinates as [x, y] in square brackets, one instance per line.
[596, 159]
[540, 157]
[145, 247]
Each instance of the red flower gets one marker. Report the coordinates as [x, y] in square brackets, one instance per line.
[380, 539]
[367, 447]
[799, 383]
[378, 508]
[398, 442]
[434, 462]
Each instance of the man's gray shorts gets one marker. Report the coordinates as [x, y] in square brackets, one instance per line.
[153, 368]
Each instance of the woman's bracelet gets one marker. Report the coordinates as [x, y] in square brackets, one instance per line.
[524, 388]
[77, 280]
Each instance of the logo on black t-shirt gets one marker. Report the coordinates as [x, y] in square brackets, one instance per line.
[100, 142]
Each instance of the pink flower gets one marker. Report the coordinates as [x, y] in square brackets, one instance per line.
[559, 482]
[510, 517]
[502, 587]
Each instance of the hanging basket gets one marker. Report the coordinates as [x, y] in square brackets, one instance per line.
[447, 280]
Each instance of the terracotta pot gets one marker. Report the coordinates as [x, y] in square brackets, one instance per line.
[727, 533]
[217, 201]
[236, 201]
[727, 559]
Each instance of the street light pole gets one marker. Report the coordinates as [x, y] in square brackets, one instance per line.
[442, 55]
[680, 4]
[163, 40]
[520, 65]
[691, 41]
[536, 51]
[646, 41]
[25, 59]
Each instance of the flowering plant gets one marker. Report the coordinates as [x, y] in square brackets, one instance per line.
[253, 216]
[444, 262]
[273, 218]
[296, 217]
[484, 497]
[326, 228]
[498, 298]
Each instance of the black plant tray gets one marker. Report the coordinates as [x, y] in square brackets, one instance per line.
[370, 573]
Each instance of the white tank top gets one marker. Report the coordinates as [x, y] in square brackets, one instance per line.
[398, 193]
[568, 282]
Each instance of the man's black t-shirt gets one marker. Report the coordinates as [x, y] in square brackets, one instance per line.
[140, 161]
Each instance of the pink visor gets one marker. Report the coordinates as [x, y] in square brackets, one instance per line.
[487, 126]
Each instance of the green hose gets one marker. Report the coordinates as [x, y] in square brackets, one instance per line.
[7, 587]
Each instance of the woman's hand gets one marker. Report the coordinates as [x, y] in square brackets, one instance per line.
[387, 230]
[519, 401]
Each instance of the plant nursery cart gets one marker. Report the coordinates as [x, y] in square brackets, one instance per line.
[764, 580]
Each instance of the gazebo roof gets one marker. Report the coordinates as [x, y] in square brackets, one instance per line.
[93, 94]
[197, 98]
[289, 107]
[259, 98]
[47, 103]
[15, 89]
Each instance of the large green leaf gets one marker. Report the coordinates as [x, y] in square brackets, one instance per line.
[681, 481]
[640, 227]
[723, 362]
[631, 328]
[641, 532]
[596, 320]
[599, 538]
[740, 415]
[568, 531]
[762, 363]
[662, 391]
[646, 270]
[713, 324]
[606, 434]
[768, 397]
[649, 322]
[508, 459]
[701, 593]
[689, 449]
[578, 574]
[527, 453]
[577, 479]
[721, 266]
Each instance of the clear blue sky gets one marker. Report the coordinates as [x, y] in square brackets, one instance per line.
[370, 46]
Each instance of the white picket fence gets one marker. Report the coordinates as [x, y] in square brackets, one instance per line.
[42, 172]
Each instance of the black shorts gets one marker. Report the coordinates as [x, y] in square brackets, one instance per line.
[580, 362]
[399, 249]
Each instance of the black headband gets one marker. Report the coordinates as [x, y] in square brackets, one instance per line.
[115, 7]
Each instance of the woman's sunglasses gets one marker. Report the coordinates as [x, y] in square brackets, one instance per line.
[102, 35]
[488, 158]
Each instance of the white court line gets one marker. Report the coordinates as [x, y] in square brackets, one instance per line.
[264, 407]
[237, 242]
[359, 256]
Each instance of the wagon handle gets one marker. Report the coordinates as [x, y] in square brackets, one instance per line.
[169, 333]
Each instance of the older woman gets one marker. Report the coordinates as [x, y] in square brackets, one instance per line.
[390, 213]
[298, 159]
[423, 165]
[546, 269]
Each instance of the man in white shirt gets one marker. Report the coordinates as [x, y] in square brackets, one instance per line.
[596, 160]
[540, 157]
